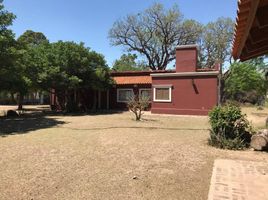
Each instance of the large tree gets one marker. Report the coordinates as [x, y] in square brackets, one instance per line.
[8, 52]
[127, 62]
[216, 42]
[69, 66]
[27, 68]
[155, 33]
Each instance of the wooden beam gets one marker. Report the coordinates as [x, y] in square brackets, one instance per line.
[251, 16]
[258, 35]
[255, 46]
[262, 16]
[251, 54]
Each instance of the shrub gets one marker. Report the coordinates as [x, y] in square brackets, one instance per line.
[137, 105]
[229, 128]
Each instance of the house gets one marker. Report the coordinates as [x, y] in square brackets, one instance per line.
[186, 90]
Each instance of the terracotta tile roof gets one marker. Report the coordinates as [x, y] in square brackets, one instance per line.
[124, 80]
[135, 77]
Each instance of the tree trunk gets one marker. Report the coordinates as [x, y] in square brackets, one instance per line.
[259, 141]
[137, 116]
[20, 102]
[13, 100]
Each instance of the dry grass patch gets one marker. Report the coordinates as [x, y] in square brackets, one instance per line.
[97, 156]
[255, 116]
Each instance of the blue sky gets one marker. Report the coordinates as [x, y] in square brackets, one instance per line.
[90, 20]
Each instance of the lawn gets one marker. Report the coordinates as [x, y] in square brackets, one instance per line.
[111, 156]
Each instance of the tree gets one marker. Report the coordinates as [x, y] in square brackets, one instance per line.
[244, 83]
[8, 52]
[137, 105]
[216, 46]
[216, 42]
[32, 38]
[69, 66]
[155, 33]
[127, 62]
[26, 66]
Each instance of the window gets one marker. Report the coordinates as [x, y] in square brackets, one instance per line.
[144, 92]
[162, 93]
[123, 95]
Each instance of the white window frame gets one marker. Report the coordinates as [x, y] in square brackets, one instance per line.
[117, 94]
[149, 89]
[160, 87]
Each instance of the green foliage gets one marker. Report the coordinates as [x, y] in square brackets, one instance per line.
[8, 54]
[31, 38]
[245, 83]
[70, 65]
[127, 62]
[27, 64]
[229, 128]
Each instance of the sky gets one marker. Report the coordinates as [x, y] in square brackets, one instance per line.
[89, 21]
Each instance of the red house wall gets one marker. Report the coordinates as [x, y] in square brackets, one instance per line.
[187, 98]
[186, 58]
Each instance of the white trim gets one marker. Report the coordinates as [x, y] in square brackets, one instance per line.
[117, 94]
[189, 46]
[185, 74]
[162, 86]
[148, 89]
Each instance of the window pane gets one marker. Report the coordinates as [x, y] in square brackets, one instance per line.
[162, 93]
[124, 95]
[145, 93]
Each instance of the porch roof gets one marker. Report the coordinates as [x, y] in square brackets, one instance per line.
[135, 77]
[124, 80]
[251, 30]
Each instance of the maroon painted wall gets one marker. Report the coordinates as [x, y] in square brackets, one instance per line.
[186, 58]
[188, 98]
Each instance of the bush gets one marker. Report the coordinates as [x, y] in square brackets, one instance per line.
[229, 128]
[137, 105]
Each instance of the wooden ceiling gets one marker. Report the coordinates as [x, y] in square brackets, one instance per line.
[251, 29]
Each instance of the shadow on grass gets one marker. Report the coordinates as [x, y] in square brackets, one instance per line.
[139, 127]
[26, 123]
[89, 113]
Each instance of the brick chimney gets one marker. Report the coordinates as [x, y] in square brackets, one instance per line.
[186, 58]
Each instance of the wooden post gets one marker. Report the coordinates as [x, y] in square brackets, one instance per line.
[107, 100]
[99, 99]
[75, 97]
